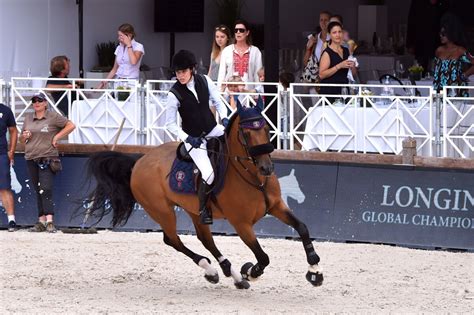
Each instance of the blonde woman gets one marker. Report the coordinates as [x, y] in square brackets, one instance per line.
[221, 40]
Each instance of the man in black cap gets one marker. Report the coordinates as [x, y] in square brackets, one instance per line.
[190, 96]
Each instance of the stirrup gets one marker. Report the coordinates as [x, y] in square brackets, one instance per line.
[205, 217]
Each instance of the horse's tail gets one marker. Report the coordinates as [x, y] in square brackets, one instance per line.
[112, 171]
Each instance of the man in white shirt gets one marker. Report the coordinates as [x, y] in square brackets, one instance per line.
[190, 96]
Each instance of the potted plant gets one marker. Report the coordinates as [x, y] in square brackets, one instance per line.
[415, 72]
[105, 52]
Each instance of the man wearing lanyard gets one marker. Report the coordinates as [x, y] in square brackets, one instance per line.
[190, 96]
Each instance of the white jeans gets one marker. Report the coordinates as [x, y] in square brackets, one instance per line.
[199, 155]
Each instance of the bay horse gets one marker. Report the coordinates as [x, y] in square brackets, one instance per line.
[250, 191]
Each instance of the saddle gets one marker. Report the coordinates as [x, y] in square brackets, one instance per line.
[184, 175]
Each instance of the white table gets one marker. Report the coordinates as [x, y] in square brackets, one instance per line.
[98, 120]
[346, 128]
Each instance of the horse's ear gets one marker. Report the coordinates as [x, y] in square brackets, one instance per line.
[238, 104]
[260, 104]
[292, 172]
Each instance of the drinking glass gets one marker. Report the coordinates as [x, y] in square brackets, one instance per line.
[401, 70]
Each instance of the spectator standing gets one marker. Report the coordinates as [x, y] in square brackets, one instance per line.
[334, 63]
[241, 58]
[7, 154]
[41, 132]
[221, 40]
[315, 44]
[128, 56]
[453, 64]
[59, 68]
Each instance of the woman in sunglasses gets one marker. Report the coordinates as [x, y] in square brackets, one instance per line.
[241, 58]
[221, 40]
[41, 132]
[453, 64]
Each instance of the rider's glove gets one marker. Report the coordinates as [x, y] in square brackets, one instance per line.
[225, 122]
[195, 142]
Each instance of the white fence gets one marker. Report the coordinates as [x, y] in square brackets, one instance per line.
[363, 118]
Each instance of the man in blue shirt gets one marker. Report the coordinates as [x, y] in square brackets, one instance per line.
[7, 154]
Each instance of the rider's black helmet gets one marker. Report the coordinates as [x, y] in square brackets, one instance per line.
[183, 59]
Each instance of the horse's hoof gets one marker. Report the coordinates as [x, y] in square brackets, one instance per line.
[244, 284]
[212, 278]
[245, 270]
[315, 278]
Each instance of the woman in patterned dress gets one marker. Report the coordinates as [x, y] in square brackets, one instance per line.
[453, 64]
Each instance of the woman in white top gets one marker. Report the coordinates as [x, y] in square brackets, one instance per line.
[241, 58]
[221, 40]
[315, 45]
[128, 56]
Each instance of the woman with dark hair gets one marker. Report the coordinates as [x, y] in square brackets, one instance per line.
[42, 130]
[221, 40]
[453, 64]
[334, 63]
[241, 58]
[128, 56]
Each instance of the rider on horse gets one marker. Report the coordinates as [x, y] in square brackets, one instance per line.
[190, 96]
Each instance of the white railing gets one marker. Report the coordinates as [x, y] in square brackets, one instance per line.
[457, 122]
[364, 119]
[360, 120]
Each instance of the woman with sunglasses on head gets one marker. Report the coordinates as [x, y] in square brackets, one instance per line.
[453, 64]
[334, 63]
[128, 56]
[41, 132]
[241, 58]
[221, 40]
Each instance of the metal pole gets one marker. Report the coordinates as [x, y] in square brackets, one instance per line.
[284, 119]
[438, 107]
[142, 91]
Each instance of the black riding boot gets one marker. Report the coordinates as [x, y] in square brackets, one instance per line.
[205, 214]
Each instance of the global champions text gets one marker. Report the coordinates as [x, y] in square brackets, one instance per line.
[448, 208]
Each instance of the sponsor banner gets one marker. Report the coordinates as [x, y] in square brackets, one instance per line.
[383, 204]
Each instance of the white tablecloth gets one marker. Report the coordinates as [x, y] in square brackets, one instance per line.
[353, 129]
[98, 120]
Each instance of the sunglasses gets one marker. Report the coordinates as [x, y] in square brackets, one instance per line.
[37, 100]
[442, 33]
[221, 28]
[240, 30]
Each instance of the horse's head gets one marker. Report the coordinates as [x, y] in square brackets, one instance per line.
[254, 136]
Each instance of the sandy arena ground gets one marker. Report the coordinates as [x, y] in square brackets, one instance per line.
[128, 272]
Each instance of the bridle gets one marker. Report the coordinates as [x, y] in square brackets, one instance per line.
[256, 123]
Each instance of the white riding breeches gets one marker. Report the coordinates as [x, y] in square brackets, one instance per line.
[199, 155]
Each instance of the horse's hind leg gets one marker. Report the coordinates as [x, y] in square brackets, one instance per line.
[205, 236]
[167, 222]
[250, 271]
[314, 274]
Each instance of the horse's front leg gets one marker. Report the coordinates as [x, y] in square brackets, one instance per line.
[205, 236]
[284, 214]
[250, 271]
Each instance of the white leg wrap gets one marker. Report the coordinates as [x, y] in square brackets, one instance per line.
[235, 275]
[315, 268]
[208, 269]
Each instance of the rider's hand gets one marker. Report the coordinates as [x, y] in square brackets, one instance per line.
[195, 142]
[225, 122]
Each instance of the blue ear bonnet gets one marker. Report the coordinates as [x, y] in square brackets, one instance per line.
[251, 117]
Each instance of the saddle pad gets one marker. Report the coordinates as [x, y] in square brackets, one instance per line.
[181, 178]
